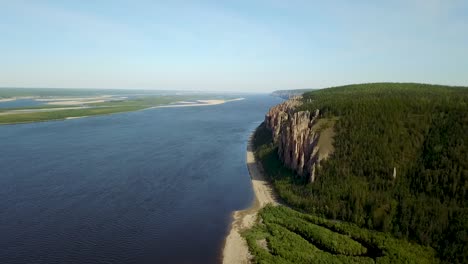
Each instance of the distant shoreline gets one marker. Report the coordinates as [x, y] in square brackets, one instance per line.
[235, 248]
[198, 103]
[12, 113]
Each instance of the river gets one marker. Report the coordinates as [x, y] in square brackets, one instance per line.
[152, 186]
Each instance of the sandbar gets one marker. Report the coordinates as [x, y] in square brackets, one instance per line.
[198, 103]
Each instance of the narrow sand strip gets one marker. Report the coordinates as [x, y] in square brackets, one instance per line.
[75, 102]
[197, 103]
[66, 98]
[235, 247]
[74, 117]
[7, 99]
[37, 110]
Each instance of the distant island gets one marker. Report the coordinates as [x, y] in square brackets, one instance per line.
[25, 105]
[367, 173]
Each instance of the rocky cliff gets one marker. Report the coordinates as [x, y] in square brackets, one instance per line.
[294, 133]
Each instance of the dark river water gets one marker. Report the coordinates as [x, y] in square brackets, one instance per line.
[153, 186]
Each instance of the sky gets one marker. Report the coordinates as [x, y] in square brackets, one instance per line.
[241, 45]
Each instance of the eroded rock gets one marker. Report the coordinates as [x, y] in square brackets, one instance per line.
[293, 132]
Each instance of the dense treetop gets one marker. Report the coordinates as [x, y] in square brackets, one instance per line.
[420, 132]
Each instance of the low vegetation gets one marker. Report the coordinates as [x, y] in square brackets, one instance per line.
[55, 112]
[293, 237]
[61, 114]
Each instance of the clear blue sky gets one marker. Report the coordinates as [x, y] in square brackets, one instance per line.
[239, 45]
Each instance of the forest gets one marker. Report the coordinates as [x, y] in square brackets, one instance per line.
[288, 236]
[400, 164]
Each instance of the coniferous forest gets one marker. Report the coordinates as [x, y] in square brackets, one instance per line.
[400, 163]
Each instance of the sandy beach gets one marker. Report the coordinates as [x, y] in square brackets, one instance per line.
[198, 103]
[27, 111]
[78, 104]
[66, 98]
[7, 99]
[74, 117]
[75, 102]
[235, 247]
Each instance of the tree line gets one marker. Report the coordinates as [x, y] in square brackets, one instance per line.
[416, 132]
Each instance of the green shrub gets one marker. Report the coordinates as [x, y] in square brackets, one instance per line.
[294, 237]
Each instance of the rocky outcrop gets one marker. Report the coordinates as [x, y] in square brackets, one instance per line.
[293, 132]
[279, 114]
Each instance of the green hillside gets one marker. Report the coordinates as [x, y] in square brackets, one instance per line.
[287, 236]
[418, 131]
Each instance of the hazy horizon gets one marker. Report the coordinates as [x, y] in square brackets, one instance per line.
[148, 89]
[209, 91]
[242, 46]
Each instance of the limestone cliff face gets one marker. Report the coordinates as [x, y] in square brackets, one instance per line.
[295, 136]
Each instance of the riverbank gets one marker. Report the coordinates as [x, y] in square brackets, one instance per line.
[29, 115]
[198, 103]
[235, 248]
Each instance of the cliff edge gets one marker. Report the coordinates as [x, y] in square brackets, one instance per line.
[303, 139]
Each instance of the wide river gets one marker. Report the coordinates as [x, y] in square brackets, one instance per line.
[152, 186]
